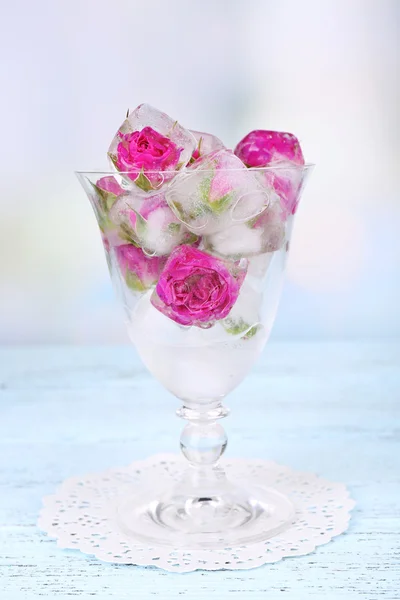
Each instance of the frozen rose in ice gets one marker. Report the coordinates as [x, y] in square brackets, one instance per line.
[278, 149]
[106, 191]
[146, 151]
[196, 288]
[140, 272]
[110, 184]
[215, 191]
[150, 147]
[150, 223]
[206, 143]
[261, 148]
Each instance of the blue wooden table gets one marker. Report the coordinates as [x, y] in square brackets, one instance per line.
[329, 408]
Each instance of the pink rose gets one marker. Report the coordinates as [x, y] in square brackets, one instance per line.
[139, 271]
[196, 288]
[146, 150]
[261, 148]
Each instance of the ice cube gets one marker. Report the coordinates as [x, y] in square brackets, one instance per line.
[216, 192]
[206, 143]
[245, 317]
[258, 265]
[150, 223]
[149, 147]
[282, 154]
[263, 233]
[286, 180]
[271, 224]
[235, 241]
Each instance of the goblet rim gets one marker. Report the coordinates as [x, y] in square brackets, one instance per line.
[277, 167]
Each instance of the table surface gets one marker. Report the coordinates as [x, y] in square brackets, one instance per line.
[332, 408]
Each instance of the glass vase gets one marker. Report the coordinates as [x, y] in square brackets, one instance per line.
[200, 285]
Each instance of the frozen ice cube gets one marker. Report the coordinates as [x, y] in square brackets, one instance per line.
[258, 265]
[215, 192]
[263, 233]
[235, 241]
[245, 317]
[150, 223]
[286, 180]
[206, 143]
[271, 224]
[149, 147]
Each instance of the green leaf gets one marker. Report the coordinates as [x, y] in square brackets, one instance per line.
[106, 224]
[190, 238]
[204, 189]
[106, 199]
[113, 159]
[140, 225]
[174, 228]
[240, 326]
[199, 145]
[251, 222]
[220, 205]
[251, 332]
[143, 182]
[179, 208]
[126, 233]
[133, 282]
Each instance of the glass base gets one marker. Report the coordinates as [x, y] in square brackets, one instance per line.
[231, 517]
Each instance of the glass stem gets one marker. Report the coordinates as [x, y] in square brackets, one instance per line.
[203, 442]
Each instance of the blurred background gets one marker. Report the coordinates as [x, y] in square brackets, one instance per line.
[326, 70]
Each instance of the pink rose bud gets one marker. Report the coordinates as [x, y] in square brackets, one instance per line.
[106, 192]
[140, 272]
[262, 148]
[150, 147]
[206, 143]
[196, 288]
[110, 184]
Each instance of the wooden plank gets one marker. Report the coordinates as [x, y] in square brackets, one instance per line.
[331, 408]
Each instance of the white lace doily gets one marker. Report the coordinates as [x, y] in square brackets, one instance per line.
[81, 515]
